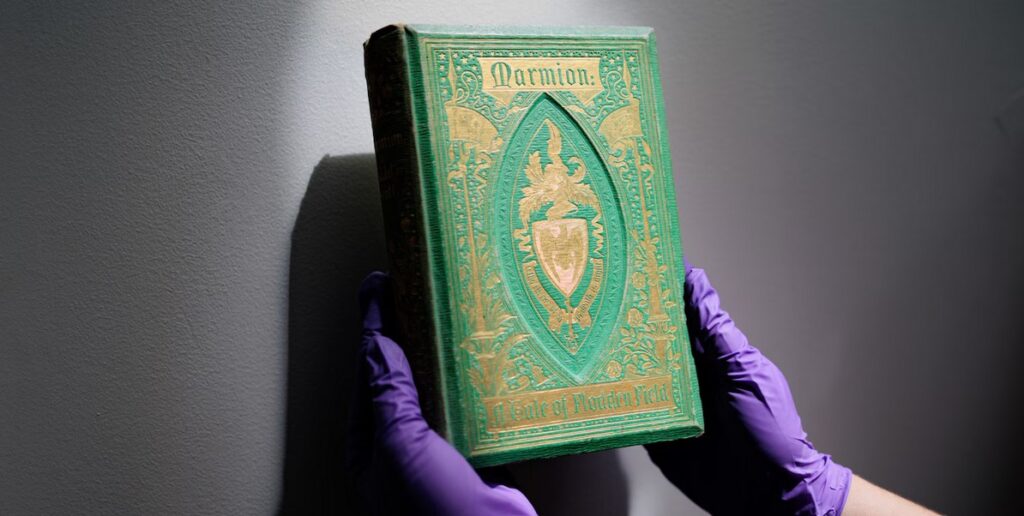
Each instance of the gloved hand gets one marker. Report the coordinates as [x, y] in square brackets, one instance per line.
[754, 457]
[401, 465]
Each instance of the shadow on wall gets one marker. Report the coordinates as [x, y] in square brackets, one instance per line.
[1010, 185]
[338, 238]
[592, 484]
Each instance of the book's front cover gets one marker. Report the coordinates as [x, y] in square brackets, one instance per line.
[554, 251]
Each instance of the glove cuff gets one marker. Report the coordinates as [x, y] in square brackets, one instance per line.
[836, 489]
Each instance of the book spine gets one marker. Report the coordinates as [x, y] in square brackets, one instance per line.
[387, 65]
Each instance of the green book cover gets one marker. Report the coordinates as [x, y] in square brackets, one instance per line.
[532, 235]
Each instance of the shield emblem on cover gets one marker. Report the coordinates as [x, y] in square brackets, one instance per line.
[562, 246]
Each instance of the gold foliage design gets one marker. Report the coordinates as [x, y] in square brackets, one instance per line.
[645, 345]
[494, 348]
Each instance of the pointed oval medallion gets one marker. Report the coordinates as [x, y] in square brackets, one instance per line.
[561, 237]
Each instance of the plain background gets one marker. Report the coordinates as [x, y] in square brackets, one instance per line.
[188, 203]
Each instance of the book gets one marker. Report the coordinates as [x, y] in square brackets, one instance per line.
[532, 236]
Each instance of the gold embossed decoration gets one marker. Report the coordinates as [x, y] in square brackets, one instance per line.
[561, 243]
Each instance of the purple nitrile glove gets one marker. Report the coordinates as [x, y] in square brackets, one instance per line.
[401, 465]
[754, 457]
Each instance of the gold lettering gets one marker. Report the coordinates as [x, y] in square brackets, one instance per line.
[584, 77]
[535, 409]
[500, 72]
[547, 77]
[580, 75]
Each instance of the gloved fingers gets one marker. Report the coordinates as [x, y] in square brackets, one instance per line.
[386, 368]
[359, 439]
[751, 379]
[386, 403]
[754, 386]
[440, 479]
[444, 483]
[396, 403]
[760, 396]
[391, 391]
[360, 418]
[719, 340]
[374, 301]
[508, 500]
[710, 325]
[396, 406]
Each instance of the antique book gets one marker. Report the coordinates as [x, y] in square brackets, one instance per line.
[532, 235]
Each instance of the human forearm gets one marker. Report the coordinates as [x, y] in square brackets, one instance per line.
[866, 498]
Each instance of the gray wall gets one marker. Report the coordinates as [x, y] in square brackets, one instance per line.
[187, 206]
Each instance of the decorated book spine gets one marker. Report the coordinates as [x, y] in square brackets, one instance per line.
[391, 111]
